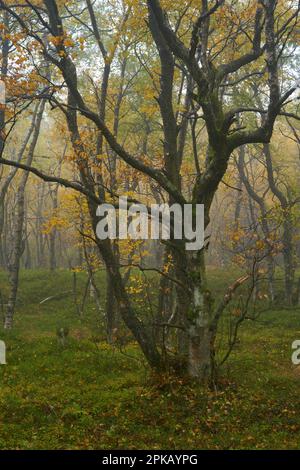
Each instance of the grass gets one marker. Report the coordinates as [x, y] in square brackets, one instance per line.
[90, 396]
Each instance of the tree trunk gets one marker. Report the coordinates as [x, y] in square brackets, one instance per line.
[110, 309]
[17, 249]
[288, 259]
[288, 228]
[200, 360]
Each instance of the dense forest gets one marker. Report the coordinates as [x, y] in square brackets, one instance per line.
[166, 103]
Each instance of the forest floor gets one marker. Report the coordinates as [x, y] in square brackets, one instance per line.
[91, 396]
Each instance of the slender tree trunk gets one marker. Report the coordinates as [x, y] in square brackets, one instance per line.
[110, 308]
[17, 249]
[288, 258]
[288, 228]
[260, 201]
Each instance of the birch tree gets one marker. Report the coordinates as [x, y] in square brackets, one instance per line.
[18, 226]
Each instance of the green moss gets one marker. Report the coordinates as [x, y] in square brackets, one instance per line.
[89, 396]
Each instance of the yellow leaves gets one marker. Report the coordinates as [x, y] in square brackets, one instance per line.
[136, 286]
[101, 156]
[36, 3]
[81, 41]
[168, 264]
[237, 235]
[131, 3]
[149, 93]
[149, 106]
[77, 269]
[120, 29]
[54, 222]
[260, 244]
[148, 110]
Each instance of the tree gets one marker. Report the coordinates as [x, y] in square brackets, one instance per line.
[207, 68]
[18, 247]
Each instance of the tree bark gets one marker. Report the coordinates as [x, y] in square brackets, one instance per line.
[287, 228]
[14, 265]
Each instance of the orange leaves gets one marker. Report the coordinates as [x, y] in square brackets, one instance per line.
[61, 41]
[20, 60]
[68, 42]
[56, 40]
